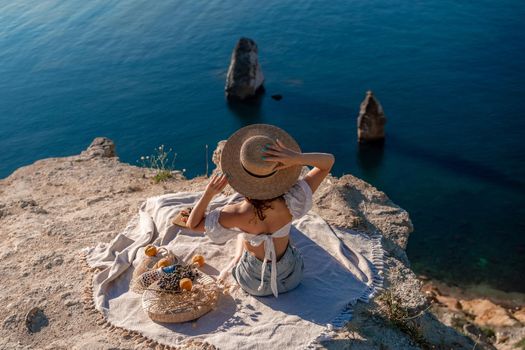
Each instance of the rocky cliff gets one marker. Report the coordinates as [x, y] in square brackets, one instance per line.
[51, 209]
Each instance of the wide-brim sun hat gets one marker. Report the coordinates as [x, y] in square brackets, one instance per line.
[247, 172]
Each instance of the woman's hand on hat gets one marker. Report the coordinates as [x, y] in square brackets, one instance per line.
[217, 183]
[278, 152]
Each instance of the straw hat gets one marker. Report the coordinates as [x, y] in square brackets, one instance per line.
[248, 173]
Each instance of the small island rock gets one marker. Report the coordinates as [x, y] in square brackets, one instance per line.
[245, 78]
[371, 120]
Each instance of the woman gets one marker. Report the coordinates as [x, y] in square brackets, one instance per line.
[263, 163]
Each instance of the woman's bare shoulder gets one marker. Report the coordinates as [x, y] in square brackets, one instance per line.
[233, 215]
[236, 208]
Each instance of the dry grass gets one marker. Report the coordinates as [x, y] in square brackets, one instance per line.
[399, 317]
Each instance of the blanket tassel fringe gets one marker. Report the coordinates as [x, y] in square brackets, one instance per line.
[137, 337]
[346, 313]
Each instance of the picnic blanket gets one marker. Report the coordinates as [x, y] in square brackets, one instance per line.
[341, 267]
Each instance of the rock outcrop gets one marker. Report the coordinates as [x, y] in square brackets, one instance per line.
[371, 120]
[100, 147]
[520, 315]
[245, 78]
[491, 325]
[82, 200]
[487, 313]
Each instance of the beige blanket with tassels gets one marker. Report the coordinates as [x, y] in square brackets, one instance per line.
[341, 267]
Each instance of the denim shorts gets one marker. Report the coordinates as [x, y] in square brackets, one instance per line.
[290, 269]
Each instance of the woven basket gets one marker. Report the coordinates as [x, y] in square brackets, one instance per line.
[183, 306]
[148, 263]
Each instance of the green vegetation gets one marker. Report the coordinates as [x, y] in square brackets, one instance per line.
[458, 323]
[488, 332]
[162, 175]
[160, 162]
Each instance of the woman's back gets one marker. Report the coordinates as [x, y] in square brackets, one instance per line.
[276, 217]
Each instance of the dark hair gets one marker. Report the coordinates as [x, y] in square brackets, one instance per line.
[260, 205]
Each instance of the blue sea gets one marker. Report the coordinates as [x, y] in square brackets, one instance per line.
[449, 74]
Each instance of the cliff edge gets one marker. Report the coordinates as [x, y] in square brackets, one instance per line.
[54, 207]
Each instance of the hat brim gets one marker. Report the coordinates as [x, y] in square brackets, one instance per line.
[252, 186]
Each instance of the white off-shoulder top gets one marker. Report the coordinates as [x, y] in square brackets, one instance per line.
[298, 200]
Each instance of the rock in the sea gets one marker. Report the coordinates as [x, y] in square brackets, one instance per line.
[100, 147]
[371, 120]
[245, 78]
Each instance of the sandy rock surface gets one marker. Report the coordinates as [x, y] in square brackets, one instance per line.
[488, 314]
[53, 208]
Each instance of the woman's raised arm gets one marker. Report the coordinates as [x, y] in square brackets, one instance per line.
[322, 162]
[214, 187]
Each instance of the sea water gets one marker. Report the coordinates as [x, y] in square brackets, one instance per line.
[449, 74]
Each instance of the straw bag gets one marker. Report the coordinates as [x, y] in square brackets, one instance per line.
[181, 306]
[146, 264]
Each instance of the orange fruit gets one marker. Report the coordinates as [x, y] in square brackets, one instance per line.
[185, 284]
[199, 259]
[163, 262]
[150, 250]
